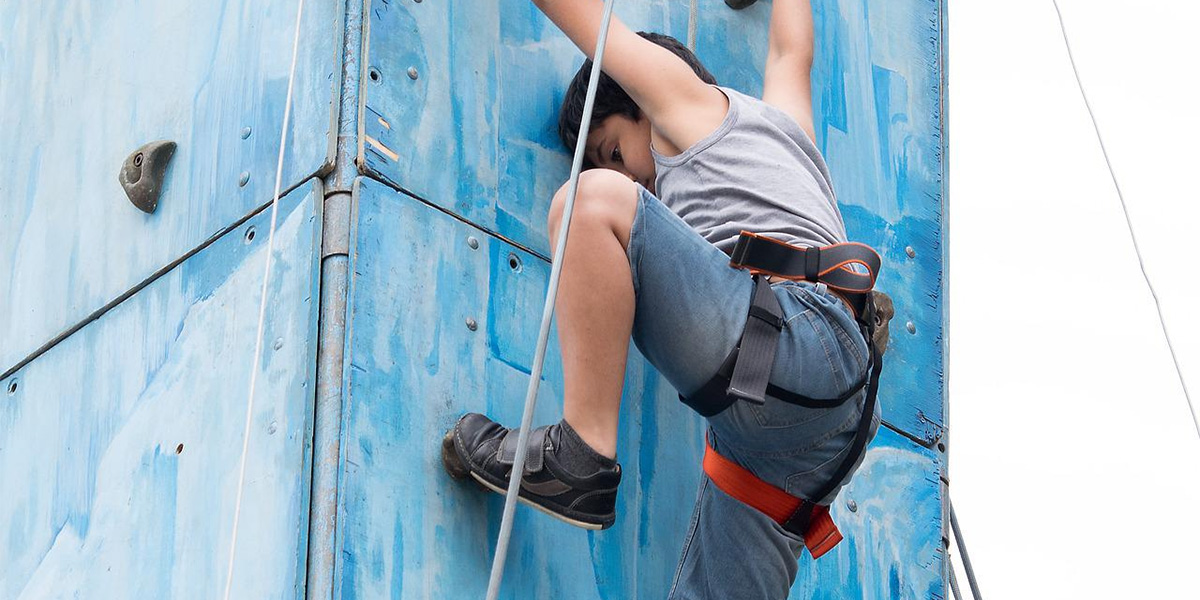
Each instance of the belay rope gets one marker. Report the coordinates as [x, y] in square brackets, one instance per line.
[539, 355]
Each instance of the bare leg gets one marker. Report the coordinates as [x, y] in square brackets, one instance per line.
[595, 304]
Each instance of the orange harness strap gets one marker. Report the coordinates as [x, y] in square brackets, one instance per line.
[820, 535]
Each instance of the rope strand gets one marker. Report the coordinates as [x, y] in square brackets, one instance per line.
[539, 355]
[262, 306]
[1128, 221]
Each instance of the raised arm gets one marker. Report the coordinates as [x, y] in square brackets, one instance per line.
[786, 82]
[682, 108]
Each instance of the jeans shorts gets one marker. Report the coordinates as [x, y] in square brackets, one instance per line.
[691, 308]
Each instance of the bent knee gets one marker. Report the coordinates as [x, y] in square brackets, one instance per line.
[604, 195]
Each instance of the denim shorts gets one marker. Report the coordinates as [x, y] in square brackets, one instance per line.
[691, 308]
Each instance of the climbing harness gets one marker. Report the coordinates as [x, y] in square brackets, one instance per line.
[539, 355]
[745, 373]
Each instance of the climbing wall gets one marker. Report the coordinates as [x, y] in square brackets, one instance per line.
[126, 338]
[460, 157]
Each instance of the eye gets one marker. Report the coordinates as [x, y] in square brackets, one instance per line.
[616, 154]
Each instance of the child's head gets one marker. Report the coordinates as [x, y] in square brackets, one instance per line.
[618, 125]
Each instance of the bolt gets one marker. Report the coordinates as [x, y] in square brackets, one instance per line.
[910, 251]
[137, 159]
[245, 132]
[852, 505]
[911, 327]
[12, 387]
[412, 72]
[472, 242]
[244, 179]
[471, 324]
[278, 343]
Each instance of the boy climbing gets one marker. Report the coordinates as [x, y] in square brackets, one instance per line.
[657, 253]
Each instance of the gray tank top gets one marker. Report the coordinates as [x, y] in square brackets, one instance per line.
[757, 172]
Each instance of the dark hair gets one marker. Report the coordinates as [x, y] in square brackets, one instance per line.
[610, 98]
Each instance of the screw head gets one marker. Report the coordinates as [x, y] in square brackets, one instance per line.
[910, 251]
[412, 72]
[911, 327]
[245, 132]
[12, 387]
[138, 159]
[244, 178]
[473, 242]
[471, 324]
[852, 505]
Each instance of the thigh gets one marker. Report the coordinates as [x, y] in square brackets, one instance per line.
[690, 304]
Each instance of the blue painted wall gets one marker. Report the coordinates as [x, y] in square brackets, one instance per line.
[87, 82]
[456, 140]
[120, 447]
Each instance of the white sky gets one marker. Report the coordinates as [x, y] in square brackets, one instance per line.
[1074, 465]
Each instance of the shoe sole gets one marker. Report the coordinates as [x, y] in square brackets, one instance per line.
[457, 469]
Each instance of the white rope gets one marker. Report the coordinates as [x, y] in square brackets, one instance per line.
[262, 306]
[539, 355]
[1128, 221]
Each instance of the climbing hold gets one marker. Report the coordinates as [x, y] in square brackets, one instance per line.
[143, 171]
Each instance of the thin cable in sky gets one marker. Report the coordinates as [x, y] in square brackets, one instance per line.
[1128, 222]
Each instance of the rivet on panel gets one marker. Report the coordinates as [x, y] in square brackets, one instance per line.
[244, 178]
[245, 132]
[412, 72]
[249, 237]
[12, 387]
[911, 327]
[852, 505]
[471, 324]
[278, 343]
[473, 242]
[910, 251]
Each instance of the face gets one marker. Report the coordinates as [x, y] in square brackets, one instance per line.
[623, 145]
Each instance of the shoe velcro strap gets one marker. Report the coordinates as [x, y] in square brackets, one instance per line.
[507, 454]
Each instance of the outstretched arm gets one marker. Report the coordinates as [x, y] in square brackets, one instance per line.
[682, 108]
[786, 82]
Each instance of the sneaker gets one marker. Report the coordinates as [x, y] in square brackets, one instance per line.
[563, 476]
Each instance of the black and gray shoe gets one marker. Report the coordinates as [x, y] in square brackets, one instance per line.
[563, 476]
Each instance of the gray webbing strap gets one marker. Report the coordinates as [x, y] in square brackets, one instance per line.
[756, 354]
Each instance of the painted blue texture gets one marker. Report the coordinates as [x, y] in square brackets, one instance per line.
[408, 531]
[86, 82]
[119, 447]
[475, 133]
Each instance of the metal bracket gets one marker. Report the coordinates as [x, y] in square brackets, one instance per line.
[143, 172]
